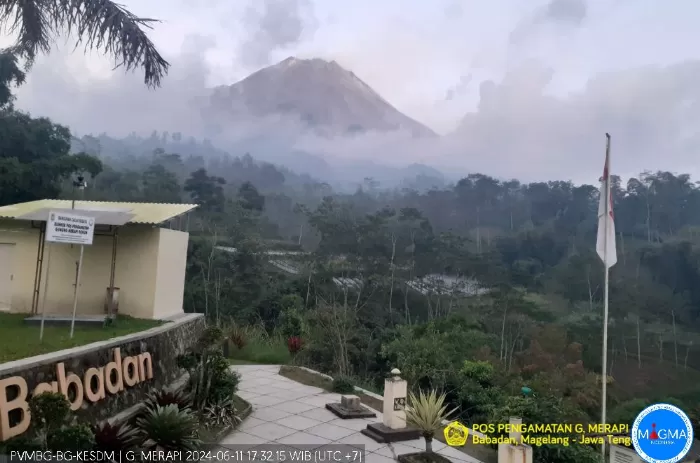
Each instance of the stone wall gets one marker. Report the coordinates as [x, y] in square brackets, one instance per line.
[163, 343]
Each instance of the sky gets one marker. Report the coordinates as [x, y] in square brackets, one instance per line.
[522, 89]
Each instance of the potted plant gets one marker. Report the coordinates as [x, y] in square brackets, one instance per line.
[426, 412]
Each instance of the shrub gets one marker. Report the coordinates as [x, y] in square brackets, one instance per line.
[211, 379]
[211, 338]
[224, 386]
[78, 437]
[50, 410]
[290, 322]
[116, 438]
[19, 443]
[164, 397]
[342, 385]
[168, 428]
[187, 361]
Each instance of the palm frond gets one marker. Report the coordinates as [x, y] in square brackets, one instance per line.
[98, 25]
[108, 26]
[29, 19]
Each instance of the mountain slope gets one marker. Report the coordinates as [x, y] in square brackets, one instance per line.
[320, 94]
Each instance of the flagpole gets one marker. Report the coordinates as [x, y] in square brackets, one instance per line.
[604, 376]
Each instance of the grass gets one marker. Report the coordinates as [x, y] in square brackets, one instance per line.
[260, 349]
[261, 354]
[481, 452]
[240, 362]
[20, 340]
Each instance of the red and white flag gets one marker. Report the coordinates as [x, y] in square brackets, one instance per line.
[605, 244]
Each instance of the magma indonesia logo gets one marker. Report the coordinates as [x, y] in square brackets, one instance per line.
[662, 433]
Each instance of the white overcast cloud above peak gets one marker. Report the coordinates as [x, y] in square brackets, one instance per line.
[522, 89]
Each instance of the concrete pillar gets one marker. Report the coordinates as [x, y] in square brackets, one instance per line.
[515, 433]
[394, 408]
[515, 453]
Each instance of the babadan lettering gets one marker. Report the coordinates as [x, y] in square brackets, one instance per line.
[96, 383]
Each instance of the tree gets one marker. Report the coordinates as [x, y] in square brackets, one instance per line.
[160, 185]
[10, 74]
[250, 198]
[35, 158]
[98, 24]
[206, 190]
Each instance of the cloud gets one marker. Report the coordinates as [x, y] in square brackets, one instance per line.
[556, 13]
[273, 25]
[520, 130]
[566, 11]
[519, 125]
[63, 87]
[458, 88]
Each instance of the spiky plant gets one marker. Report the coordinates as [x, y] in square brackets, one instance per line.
[237, 336]
[118, 437]
[221, 414]
[426, 412]
[168, 428]
[163, 397]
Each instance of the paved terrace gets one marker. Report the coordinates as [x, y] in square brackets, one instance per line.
[289, 413]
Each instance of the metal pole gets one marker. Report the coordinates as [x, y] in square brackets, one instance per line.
[604, 392]
[46, 291]
[110, 305]
[75, 294]
[605, 357]
[39, 269]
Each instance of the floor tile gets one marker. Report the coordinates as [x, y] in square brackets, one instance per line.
[310, 390]
[289, 395]
[333, 397]
[331, 432]
[292, 406]
[359, 439]
[250, 423]
[266, 401]
[319, 414]
[420, 444]
[303, 438]
[356, 424]
[239, 437]
[246, 395]
[318, 400]
[298, 422]
[271, 431]
[269, 414]
[268, 389]
[395, 449]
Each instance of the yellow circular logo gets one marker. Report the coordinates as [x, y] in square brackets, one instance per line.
[456, 434]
